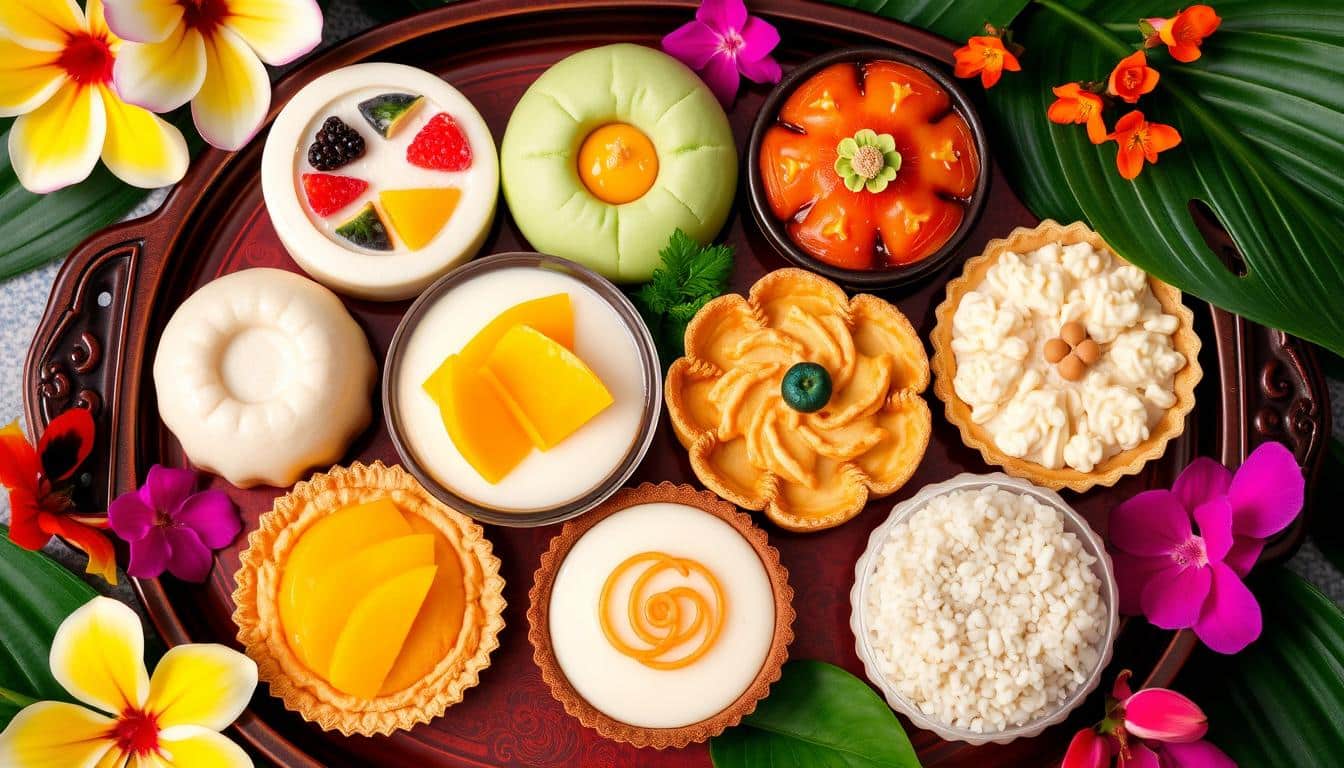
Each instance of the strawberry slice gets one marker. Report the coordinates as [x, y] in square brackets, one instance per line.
[328, 193]
[440, 146]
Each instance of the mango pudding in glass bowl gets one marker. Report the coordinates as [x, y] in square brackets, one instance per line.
[522, 389]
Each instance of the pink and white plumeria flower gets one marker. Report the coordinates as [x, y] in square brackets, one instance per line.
[210, 52]
[56, 64]
[1180, 576]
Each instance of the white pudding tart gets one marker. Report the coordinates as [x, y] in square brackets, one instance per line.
[394, 193]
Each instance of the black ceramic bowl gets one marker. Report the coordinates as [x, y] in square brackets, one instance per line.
[774, 229]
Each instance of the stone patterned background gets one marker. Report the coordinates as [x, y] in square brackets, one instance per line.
[23, 299]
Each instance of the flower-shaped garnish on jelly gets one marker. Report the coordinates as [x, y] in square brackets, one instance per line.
[867, 160]
[734, 399]
[869, 166]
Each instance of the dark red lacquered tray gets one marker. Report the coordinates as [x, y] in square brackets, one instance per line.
[97, 342]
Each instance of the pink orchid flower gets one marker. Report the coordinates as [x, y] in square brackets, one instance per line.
[1159, 714]
[1182, 578]
[172, 529]
[724, 42]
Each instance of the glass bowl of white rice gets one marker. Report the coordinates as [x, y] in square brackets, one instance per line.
[984, 609]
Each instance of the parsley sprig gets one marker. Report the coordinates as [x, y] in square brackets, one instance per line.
[691, 275]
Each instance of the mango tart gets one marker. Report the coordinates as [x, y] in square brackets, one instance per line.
[368, 605]
[1170, 425]
[675, 657]
[760, 440]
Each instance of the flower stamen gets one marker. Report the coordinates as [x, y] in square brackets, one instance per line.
[136, 733]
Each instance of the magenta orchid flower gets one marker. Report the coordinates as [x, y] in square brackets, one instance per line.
[1154, 728]
[723, 44]
[171, 528]
[1182, 577]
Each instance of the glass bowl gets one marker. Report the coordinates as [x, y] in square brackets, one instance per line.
[865, 279]
[650, 370]
[1073, 522]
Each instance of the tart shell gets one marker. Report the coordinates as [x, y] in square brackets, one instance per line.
[1109, 471]
[303, 691]
[539, 633]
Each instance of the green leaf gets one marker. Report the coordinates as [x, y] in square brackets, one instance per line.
[690, 275]
[1261, 114]
[817, 716]
[957, 19]
[1279, 701]
[38, 229]
[36, 595]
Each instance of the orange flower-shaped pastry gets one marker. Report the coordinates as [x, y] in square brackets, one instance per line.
[986, 56]
[748, 444]
[1140, 140]
[1132, 78]
[904, 205]
[1183, 33]
[1075, 105]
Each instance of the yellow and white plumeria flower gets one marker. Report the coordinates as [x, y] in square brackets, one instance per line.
[56, 65]
[170, 720]
[210, 52]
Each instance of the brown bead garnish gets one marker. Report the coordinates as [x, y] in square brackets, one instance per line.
[1072, 352]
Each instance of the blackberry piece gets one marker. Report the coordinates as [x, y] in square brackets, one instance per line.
[337, 144]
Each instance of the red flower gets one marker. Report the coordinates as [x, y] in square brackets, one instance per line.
[1078, 106]
[1132, 77]
[39, 508]
[1184, 32]
[985, 56]
[1088, 749]
[1140, 140]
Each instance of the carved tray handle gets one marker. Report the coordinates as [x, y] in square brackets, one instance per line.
[76, 359]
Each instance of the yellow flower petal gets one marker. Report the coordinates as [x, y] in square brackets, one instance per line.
[114, 758]
[58, 143]
[280, 31]
[161, 76]
[27, 78]
[141, 148]
[98, 656]
[144, 21]
[54, 734]
[202, 684]
[42, 25]
[189, 746]
[235, 95]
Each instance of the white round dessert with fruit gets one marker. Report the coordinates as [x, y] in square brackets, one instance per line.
[380, 178]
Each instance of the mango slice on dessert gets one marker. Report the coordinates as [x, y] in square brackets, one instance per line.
[479, 421]
[344, 584]
[376, 631]
[439, 622]
[552, 315]
[332, 539]
[418, 214]
[549, 390]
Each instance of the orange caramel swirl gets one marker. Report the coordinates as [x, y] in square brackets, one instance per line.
[658, 619]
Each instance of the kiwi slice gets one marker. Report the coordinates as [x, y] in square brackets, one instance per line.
[366, 230]
[387, 112]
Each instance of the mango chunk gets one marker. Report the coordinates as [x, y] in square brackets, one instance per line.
[478, 421]
[417, 215]
[552, 315]
[328, 542]
[439, 623]
[377, 630]
[344, 584]
[549, 390]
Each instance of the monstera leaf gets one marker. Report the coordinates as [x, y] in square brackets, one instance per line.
[957, 19]
[1262, 116]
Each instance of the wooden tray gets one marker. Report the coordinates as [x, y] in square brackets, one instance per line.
[97, 341]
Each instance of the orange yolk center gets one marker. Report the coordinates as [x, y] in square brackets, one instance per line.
[617, 163]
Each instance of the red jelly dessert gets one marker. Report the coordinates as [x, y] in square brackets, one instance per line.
[869, 165]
